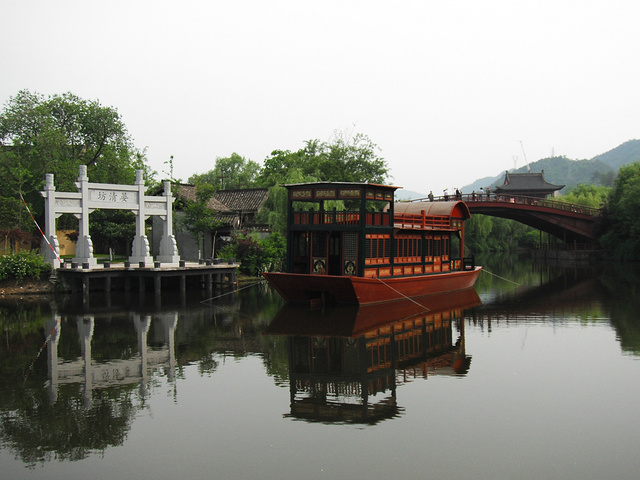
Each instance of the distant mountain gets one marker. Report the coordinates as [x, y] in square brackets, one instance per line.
[564, 171]
[409, 195]
[628, 152]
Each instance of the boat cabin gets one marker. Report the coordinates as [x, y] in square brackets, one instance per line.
[356, 229]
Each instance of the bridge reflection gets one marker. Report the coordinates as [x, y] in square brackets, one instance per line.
[346, 363]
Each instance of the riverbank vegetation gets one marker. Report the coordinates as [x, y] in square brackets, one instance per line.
[39, 135]
[24, 265]
[620, 228]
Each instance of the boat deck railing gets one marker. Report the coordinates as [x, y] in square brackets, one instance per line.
[403, 220]
[422, 221]
[344, 217]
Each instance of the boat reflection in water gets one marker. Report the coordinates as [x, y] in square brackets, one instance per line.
[346, 363]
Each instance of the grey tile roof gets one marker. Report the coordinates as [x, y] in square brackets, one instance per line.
[232, 207]
[526, 182]
[188, 192]
[243, 200]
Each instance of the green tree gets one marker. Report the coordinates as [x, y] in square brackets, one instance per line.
[621, 223]
[229, 173]
[256, 255]
[112, 230]
[344, 159]
[351, 159]
[589, 195]
[283, 165]
[56, 134]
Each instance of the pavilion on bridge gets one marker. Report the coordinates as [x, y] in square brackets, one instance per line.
[527, 185]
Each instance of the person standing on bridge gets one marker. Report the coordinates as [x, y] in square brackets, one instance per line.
[430, 196]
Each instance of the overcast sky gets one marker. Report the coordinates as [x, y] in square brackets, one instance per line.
[448, 90]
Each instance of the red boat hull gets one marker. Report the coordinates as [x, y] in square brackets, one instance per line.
[302, 288]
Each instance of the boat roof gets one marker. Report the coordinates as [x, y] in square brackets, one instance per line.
[450, 209]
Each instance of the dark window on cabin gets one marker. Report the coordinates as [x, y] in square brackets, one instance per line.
[319, 245]
[437, 247]
[334, 246]
[300, 245]
[351, 246]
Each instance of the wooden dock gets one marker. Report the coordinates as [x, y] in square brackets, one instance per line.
[107, 276]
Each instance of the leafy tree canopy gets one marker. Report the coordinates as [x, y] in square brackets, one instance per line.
[622, 223]
[56, 134]
[345, 158]
[589, 195]
[229, 173]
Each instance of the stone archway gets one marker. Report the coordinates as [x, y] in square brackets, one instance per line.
[92, 196]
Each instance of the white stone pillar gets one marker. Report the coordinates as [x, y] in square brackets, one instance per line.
[168, 245]
[140, 251]
[51, 250]
[84, 245]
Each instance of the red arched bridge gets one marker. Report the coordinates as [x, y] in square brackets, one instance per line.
[567, 221]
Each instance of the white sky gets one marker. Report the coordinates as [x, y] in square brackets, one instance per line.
[447, 89]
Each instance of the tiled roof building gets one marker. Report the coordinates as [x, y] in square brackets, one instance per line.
[241, 206]
[527, 184]
[188, 192]
[234, 209]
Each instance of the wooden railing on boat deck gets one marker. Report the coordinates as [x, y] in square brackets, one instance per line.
[420, 220]
[344, 217]
[400, 220]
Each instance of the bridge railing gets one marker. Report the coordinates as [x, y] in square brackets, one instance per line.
[517, 200]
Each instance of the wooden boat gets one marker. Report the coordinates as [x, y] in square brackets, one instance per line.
[351, 243]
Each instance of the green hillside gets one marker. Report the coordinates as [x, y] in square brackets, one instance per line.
[600, 170]
[624, 154]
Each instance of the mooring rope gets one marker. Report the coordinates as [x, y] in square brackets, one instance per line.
[46, 340]
[400, 293]
[501, 278]
[41, 233]
[233, 291]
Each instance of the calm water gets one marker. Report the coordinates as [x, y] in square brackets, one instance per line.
[540, 379]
